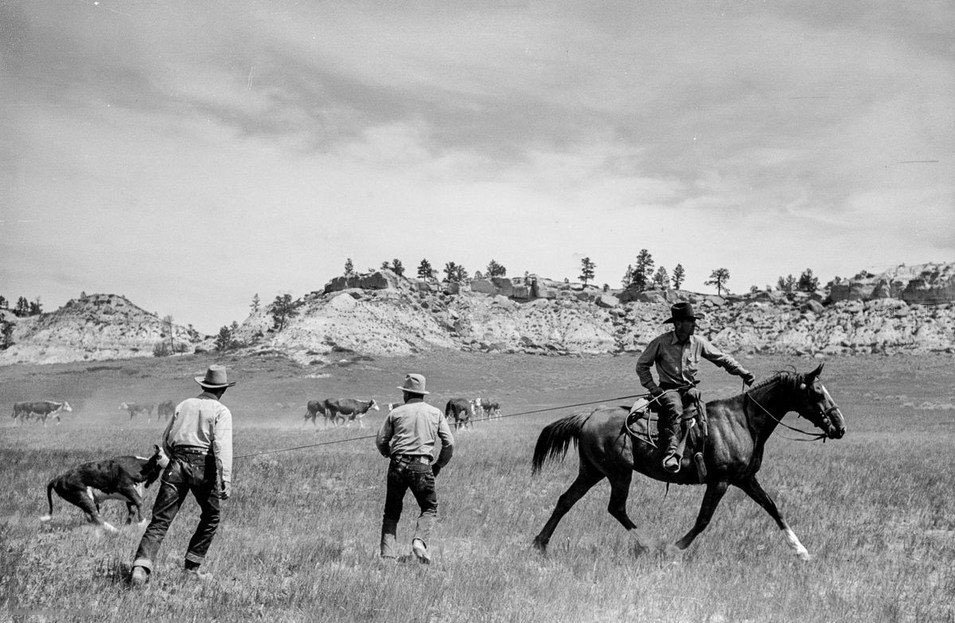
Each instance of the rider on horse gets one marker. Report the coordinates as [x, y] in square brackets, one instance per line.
[677, 357]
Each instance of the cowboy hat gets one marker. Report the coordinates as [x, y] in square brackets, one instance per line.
[682, 311]
[414, 383]
[215, 378]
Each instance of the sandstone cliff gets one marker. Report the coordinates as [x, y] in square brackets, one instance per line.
[909, 309]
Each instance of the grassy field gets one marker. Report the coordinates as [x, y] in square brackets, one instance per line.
[299, 538]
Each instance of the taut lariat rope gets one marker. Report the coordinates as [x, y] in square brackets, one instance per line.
[363, 437]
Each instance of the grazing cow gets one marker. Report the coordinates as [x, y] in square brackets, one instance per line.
[313, 408]
[42, 410]
[349, 409]
[487, 408]
[121, 478]
[166, 410]
[137, 409]
[461, 410]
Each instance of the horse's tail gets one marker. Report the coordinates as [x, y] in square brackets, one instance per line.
[556, 438]
[49, 499]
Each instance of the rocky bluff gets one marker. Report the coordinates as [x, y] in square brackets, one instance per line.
[907, 309]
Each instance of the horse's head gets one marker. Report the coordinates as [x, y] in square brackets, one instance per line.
[816, 405]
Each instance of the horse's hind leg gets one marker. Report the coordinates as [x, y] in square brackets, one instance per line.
[711, 499]
[587, 477]
[755, 491]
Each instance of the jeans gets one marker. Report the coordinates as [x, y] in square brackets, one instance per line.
[196, 473]
[419, 478]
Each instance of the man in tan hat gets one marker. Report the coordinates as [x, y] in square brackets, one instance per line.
[198, 441]
[407, 437]
[677, 358]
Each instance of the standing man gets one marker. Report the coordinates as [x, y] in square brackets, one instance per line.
[677, 358]
[407, 437]
[198, 441]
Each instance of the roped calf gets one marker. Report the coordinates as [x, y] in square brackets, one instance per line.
[125, 478]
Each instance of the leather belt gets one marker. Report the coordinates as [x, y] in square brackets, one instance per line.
[411, 458]
[190, 451]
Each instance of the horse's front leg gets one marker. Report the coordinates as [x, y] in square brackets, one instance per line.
[711, 499]
[755, 491]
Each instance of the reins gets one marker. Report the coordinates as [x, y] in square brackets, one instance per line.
[813, 436]
[501, 417]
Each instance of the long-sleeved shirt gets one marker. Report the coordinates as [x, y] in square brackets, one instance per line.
[677, 363]
[203, 422]
[412, 429]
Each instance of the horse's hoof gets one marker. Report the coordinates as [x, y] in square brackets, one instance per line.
[540, 545]
[803, 554]
[46, 518]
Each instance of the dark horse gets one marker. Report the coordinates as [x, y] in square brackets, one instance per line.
[733, 452]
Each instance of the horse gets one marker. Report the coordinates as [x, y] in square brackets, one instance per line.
[350, 409]
[732, 452]
[461, 410]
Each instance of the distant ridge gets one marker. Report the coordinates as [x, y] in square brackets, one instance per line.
[907, 309]
[95, 327]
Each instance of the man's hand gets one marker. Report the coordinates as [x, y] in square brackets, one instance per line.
[749, 378]
[656, 392]
[435, 469]
[225, 491]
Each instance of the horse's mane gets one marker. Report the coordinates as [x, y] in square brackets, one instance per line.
[790, 377]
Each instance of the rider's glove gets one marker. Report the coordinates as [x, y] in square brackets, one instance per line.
[656, 392]
[748, 377]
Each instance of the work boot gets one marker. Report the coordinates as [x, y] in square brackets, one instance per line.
[196, 576]
[389, 548]
[421, 551]
[140, 576]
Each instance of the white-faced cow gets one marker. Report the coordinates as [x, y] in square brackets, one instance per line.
[461, 410]
[312, 410]
[121, 478]
[349, 409]
[42, 410]
[136, 408]
[166, 410]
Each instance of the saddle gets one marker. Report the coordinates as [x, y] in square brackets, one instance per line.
[641, 425]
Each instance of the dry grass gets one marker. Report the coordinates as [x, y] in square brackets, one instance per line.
[299, 537]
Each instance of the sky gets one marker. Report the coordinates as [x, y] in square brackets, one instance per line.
[191, 155]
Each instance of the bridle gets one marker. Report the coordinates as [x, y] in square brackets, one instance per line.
[824, 416]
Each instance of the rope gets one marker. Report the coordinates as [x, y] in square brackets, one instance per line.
[813, 436]
[364, 437]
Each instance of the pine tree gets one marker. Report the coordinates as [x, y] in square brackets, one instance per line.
[807, 282]
[661, 278]
[495, 270]
[643, 271]
[679, 276]
[255, 303]
[718, 278]
[349, 268]
[587, 270]
[425, 271]
[283, 309]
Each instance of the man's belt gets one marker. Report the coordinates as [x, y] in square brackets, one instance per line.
[190, 451]
[411, 458]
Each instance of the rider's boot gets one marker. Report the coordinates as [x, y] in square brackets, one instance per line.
[670, 442]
